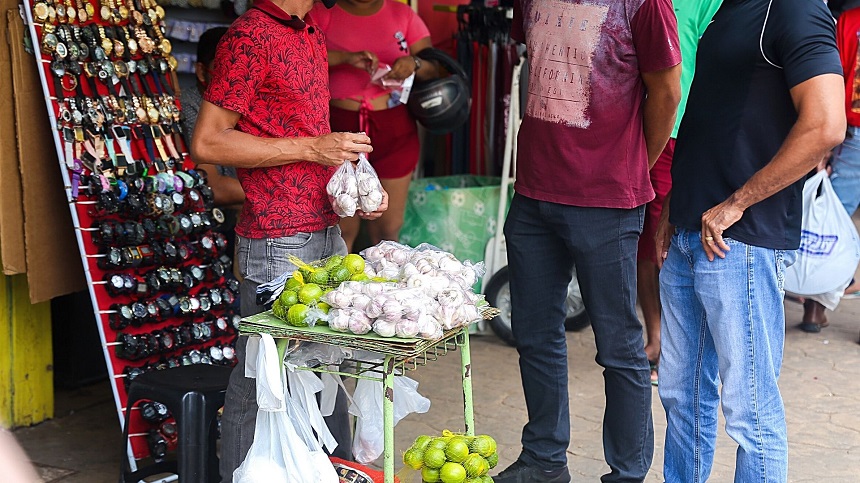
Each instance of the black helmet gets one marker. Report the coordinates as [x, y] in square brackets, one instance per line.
[441, 105]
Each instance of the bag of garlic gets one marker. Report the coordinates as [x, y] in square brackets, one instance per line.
[342, 190]
[369, 187]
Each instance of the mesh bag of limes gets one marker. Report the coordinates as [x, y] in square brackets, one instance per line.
[300, 304]
[452, 458]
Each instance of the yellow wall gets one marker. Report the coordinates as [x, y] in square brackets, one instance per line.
[26, 361]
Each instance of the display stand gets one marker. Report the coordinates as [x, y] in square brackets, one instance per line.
[157, 274]
[399, 356]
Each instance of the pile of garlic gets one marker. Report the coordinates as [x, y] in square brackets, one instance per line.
[432, 293]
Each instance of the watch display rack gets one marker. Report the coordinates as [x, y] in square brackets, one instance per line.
[158, 274]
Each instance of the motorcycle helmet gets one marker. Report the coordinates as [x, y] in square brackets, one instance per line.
[441, 105]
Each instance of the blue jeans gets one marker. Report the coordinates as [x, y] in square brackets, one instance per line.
[723, 321]
[259, 261]
[846, 170]
[544, 241]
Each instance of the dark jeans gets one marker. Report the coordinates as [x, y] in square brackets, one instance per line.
[544, 242]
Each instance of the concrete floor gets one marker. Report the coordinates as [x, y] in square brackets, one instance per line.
[820, 384]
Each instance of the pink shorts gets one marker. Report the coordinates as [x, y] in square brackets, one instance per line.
[392, 132]
[661, 180]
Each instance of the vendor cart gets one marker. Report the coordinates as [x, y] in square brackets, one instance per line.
[399, 356]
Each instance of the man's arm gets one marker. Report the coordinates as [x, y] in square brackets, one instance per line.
[216, 141]
[227, 190]
[820, 126]
[660, 107]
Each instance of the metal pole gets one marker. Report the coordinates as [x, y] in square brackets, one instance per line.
[466, 362]
[388, 417]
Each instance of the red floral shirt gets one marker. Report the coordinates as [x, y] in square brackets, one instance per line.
[272, 70]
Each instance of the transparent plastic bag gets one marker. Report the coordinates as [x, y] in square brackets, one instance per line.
[367, 407]
[342, 190]
[369, 186]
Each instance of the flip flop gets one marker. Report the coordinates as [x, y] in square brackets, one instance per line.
[654, 372]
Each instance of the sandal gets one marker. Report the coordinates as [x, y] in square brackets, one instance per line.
[654, 372]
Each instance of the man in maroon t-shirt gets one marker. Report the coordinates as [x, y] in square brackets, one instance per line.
[603, 89]
[266, 112]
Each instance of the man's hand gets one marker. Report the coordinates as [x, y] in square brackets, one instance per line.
[376, 214]
[335, 148]
[664, 234]
[714, 222]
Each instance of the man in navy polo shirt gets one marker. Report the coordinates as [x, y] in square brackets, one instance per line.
[266, 112]
[765, 106]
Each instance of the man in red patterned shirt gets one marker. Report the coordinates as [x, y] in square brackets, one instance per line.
[266, 112]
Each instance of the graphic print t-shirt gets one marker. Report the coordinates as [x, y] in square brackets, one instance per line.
[581, 141]
[276, 77]
[847, 33]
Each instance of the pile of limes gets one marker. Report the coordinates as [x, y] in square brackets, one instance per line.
[309, 283]
[453, 458]
[334, 270]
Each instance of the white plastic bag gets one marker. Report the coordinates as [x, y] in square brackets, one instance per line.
[369, 439]
[829, 246]
[342, 190]
[278, 453]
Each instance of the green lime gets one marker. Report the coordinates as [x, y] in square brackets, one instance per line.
[293, 282]
[297, 314]
[333, 261]
[413, 458]
[434, 458]
[324, 307]
[457, 450]
[354, 263]
[319, 276]
[310, 293]
[452, 473]
[340, 274]
[288, 298]
[359, 277]
[430, 475]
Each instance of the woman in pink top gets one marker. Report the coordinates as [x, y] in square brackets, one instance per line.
[362, 35]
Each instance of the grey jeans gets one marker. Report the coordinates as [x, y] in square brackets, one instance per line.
[261, 260]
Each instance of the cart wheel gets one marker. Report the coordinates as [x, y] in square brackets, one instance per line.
[498, 294]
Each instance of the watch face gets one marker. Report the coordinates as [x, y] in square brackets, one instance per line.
[196, 220]
[167, 341]
[195, 356]
[115, 257]
[207, 243]
[126, 313]
[152, 309]
[185, 305]
[221, 323]
[218, 215]
[229, 353]
[116, 282]
[194, 195]
[185, 223]
[196, 272]
[216, 353]
[139, 310]
[205, 304]
[177, 198]
[236, 321]
[195, 303]
[170, 250]
[228, 296]
[128, 282]
[215, 295]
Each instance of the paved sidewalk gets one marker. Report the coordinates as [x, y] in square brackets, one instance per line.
[820, 383]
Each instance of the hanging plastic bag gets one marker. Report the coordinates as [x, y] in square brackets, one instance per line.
[369, 441]
[829, 246]
[369, 186]
[278, 453]
[303, 387]
[342, 190]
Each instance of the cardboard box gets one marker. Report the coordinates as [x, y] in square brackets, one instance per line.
[53, 261]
